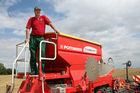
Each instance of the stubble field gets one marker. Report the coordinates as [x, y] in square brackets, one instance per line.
[118, 73]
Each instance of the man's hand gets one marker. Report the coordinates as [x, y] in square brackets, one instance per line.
[57, 32]
[27, 40]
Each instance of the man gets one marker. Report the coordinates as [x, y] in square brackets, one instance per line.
[37, 24]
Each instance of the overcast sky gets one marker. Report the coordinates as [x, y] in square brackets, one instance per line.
[113, 23]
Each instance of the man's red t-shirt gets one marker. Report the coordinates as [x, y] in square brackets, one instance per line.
[38, 25]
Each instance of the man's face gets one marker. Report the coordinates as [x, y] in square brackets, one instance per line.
[37, 12]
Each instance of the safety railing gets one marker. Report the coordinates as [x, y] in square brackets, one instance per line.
[42, 58]
[24, 48]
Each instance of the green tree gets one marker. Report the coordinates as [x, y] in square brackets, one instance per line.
[9, 71]
[2, 69]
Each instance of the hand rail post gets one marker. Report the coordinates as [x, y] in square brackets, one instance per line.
[41, 58]
[25, 63]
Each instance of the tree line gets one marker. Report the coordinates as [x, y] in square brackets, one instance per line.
[4, 70]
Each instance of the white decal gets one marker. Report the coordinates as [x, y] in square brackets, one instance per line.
[89, 49]
[71, 48]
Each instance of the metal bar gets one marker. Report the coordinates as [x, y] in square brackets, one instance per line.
[16, 51]
[25, 63]
[40, 58]
[127, 80]
[16, 68]
[20, 43]
[16, 61]
[21, 46]
[48, 58]
[42, 86]
[16, 56]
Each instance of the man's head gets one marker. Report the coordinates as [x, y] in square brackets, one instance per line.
[37, 10]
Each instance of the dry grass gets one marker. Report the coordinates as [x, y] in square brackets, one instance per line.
[6, 79]
[121, 73]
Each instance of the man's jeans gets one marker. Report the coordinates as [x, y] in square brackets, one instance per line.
[33, 45]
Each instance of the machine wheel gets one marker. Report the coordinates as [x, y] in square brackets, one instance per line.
[109, 90]
[101, 90]
[122, 90]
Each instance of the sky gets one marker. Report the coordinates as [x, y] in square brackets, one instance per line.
[113, 23]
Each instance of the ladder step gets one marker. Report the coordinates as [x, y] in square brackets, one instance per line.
[22, 60]
[33, 75]
[21, 75]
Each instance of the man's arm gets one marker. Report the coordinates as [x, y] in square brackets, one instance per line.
[52, 26]
[27, 35]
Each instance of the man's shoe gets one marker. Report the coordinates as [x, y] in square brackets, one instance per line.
[33, 73]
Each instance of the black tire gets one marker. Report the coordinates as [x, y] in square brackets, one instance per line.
[122, 90]
[100, 90]
[109, 90]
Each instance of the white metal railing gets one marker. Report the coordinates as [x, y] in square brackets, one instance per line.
[42, 58]
[26, 54]
[24, 47]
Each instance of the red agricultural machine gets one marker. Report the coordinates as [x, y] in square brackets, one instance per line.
[72, 66]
